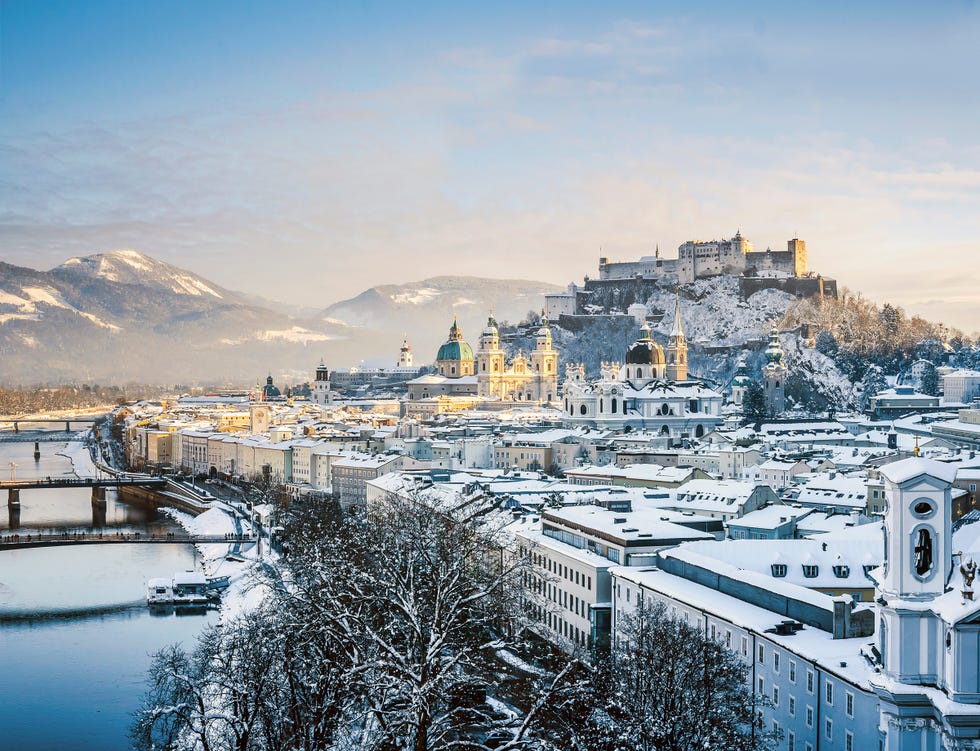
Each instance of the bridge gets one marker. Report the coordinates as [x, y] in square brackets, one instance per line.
[98, 485]
[18, 421]
[49, 539]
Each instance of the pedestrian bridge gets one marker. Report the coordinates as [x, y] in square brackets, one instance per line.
[98, 485]
[49, 539]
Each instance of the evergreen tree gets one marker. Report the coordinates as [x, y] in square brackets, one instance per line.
[929, 383]
[754, 403]
[872, 383]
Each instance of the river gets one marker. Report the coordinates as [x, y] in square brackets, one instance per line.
[75, 635]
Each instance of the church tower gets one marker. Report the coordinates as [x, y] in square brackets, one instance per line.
[774, 376]
[490, 361]
[919, 639]
[321, 385]
[405, 355]
[677, 347]
[544, 363]
[740, 382]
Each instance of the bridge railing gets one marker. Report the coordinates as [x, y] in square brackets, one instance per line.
[67, 537]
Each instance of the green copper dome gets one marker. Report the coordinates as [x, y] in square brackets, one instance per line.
[455, 350]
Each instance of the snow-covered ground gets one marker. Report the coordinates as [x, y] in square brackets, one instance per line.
[246, 589]
[78, 454]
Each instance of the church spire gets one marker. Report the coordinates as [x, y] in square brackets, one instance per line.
[677, 346]
[678, 328]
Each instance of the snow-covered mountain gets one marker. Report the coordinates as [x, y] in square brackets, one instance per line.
[124, 316]
[132, 267]
[424, 310]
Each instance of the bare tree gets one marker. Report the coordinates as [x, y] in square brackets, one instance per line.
[666, 686]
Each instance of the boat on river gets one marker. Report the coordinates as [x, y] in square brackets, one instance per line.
[185, 588]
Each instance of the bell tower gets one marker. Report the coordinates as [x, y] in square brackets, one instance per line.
[774, 375]
[490, 360]
[677, 347]
[918, 562]
[544, 364]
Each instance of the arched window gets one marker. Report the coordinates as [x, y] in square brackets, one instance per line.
[624, 406]
[582, 409]
[615, 406]
[601, 405]
[922, 552]
[699, 431]
[664, 430]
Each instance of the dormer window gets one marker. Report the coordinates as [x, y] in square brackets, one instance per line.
[779, 570]
[810, 570]
[842, 572]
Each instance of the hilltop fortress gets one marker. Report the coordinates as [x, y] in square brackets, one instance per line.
[624, 283]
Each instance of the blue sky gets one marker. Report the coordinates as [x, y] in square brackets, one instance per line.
[363, 143]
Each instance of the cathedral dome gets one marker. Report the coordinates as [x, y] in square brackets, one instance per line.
[455, 348]
[645, 351]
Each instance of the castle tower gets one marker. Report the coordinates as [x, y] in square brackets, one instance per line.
[321, 385]
[490, 361]
[774, 376]
[405, 355]
[544, 364]
[677, 347]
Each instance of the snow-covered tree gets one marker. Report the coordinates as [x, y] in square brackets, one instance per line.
[929, 382]
[873, 383]
[666, 686]
[754, 402]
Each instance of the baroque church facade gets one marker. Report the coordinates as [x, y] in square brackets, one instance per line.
[487, 374]
[650, 390]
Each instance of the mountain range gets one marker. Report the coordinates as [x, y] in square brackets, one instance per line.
[123, 316]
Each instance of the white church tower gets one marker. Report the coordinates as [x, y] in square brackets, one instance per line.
[677, 347]
[321, 385]
[928, 622]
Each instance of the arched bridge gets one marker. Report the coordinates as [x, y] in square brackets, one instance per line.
[46, 539]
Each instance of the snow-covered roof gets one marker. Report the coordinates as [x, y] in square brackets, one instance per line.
[628, 528]
[771, 517]
[908, 469]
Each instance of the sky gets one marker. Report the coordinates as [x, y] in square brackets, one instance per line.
[307, 151]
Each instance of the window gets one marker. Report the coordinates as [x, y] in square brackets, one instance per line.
[848, 741]
[775, 728]
[842, 572]
[849, 703]
[775, 696]
[809, 717]
[830, 692]
[792, 671]
[762, 655]
[809, 681]
[810, 570]
[779, 570]
[829, 730]
[762, 686]
[745, 647]
[775, 661]
[791, 745]
[922, 552]
[792, 706]
[728, 639]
